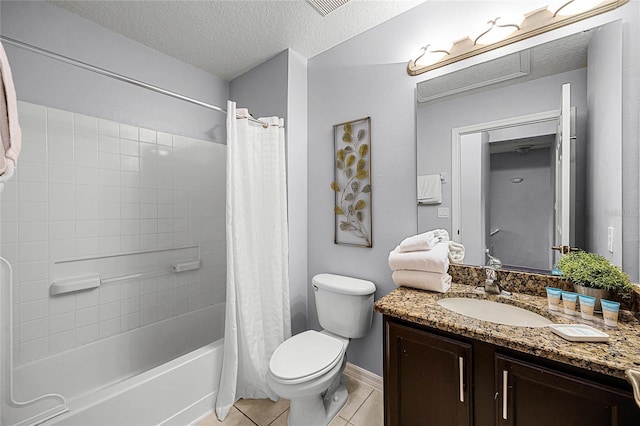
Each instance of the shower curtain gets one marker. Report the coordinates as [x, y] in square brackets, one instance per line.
[257, 309]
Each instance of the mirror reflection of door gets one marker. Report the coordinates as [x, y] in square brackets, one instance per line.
[508, 174]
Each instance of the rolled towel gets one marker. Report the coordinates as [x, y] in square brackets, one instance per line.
[456, 252]
[423, 280]
[425, 241]
[434, 260]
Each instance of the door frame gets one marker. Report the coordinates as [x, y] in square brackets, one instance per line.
[456, 139]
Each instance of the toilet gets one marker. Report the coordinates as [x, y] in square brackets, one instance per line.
[307, 368]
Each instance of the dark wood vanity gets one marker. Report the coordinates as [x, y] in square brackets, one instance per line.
[438, 378]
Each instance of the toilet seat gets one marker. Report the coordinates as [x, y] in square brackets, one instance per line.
[305, 356]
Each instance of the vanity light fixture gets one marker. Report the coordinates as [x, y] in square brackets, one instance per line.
[497, 31]
[430, 55]
[535, 23]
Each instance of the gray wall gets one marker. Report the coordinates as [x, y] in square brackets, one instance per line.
[55, 84]
[521, 210]
[604, 99]
[366, 76]
[278, 87]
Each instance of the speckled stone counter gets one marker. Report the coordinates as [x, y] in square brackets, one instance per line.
[612, 358]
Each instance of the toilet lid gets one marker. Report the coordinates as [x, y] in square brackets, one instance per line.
[306, 355]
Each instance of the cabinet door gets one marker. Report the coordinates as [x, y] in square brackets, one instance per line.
[540, 396]
[427, 378]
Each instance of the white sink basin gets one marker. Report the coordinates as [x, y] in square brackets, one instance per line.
[499, 313]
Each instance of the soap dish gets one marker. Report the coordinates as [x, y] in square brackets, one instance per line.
[579, 332]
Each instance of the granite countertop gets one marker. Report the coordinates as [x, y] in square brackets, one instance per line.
[621, 352]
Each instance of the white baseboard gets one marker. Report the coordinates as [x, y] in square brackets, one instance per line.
[364, 376]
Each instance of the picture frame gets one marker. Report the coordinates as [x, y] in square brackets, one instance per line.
[352, 183]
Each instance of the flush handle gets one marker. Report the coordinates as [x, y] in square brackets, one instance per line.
[315, 287]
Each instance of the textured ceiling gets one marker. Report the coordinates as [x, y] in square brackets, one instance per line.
[228, 38]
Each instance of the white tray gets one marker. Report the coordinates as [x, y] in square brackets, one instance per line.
[579, 333]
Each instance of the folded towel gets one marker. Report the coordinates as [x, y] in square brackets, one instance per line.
[434, 260]
[429, 189]
[425, 241]
[10, 133]
[423, 280]
[456, 252]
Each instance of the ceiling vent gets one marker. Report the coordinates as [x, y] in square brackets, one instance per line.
[325, 7]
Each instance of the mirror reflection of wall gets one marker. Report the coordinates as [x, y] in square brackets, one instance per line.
[522, 211]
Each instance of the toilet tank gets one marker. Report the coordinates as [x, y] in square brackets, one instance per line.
[344, 304]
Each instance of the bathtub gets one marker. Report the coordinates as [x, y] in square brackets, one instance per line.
[165, 373]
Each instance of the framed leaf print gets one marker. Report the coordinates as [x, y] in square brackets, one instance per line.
[352, 183]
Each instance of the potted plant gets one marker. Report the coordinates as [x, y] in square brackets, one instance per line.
[595, 276]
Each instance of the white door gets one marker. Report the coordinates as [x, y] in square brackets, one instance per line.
[564, 203]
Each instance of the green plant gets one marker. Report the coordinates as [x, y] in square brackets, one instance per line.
[595, 271]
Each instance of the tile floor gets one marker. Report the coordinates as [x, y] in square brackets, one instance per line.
[363, 408]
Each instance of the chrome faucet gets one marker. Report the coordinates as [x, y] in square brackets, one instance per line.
[491, 270]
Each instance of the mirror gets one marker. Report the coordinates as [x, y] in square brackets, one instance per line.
[512, 185]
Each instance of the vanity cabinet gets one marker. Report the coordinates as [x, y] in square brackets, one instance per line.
[428, 378]
[436, 378]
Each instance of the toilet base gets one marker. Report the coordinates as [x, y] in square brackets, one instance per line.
[319, 410]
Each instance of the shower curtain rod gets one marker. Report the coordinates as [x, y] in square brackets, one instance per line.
[117, 76]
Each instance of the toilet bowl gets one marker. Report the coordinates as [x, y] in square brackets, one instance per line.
[307, 368]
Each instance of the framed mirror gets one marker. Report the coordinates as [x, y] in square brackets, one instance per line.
[530, 148]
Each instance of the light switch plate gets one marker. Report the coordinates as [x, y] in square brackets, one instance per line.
[610, 239]
[443, 211]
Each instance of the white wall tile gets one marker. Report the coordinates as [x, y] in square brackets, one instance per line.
[87, 176]
[87, 298]
[61, 174]
[165, 139]
[33, 330]
[108, 161]
[62, 342]
[33, 251]
[73, 200]
[85, 124]
[87, 316]
[32, 211]
[62, 304]
[109, 128]
[129, 322]
[62, 322]
[32, 350]
[62, 193]
[33, 271]
[87, 334]
[128, 132]
[129, 147]
[30, 311]
[87, 246]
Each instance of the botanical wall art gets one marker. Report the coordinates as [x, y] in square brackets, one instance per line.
[352, 183]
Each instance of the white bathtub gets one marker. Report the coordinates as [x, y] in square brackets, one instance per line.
[165, 373]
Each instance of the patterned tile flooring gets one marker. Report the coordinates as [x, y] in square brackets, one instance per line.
[363, 408]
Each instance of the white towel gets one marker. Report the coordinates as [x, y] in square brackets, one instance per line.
[429, 189]
[434, 260]
[422, 280]
[10, 133]
[456, 252]
[425, 241]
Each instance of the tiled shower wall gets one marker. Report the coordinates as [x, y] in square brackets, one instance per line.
[88, 187]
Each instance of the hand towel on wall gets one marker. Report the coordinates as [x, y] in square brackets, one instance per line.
[10, 132]
[456, 252]
[430, 281]
[434, 260]
[424, 241]
[429, 189]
